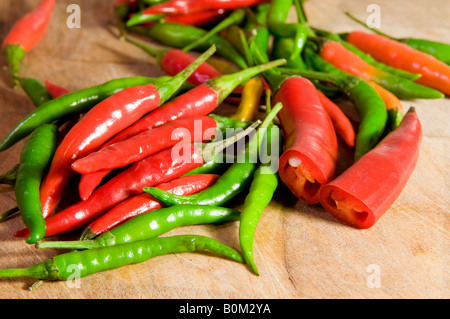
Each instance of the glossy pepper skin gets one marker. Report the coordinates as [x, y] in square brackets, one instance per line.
[264, 184]
[121, 154]
[35, 157]
[93, 261]
[366, 190]
[70, 105]
[342, 125]
[368, 103]
[310, 150]
[233, 182]
[336, 54]
[101, 123]
[435, 73]
[140, 204]
[26, 34]
[151, 225]
[152, 170]
[201, 100]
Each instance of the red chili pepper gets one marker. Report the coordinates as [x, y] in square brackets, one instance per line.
[155, 169]
[201, 100]
[121, 154]
[55, 90]
[143, 203]
[197, 19]
[101, 123]
[366, 190]
[310, 156]
[192, 6]
[341, 123]
[435, 74]
[27, 33]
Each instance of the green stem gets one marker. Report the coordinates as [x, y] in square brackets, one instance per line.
[236, 17]
[225, 84]
[8, 214]
[366, 26]
[174, 84]
[155, 52]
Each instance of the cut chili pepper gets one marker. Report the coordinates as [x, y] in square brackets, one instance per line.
[144, 203]
[435, 74]
[310, 156]
[100, 124]
[26, 34]
[367, 189]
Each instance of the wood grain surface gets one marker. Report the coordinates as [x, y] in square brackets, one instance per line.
[300, 250]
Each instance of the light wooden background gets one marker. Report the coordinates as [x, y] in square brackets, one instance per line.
[301, 251]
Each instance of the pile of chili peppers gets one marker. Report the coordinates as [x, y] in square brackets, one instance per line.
[117, 139]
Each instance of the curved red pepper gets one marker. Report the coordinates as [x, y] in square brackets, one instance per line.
[135, 148]
[341, 123]
[310, 156]
[144, 203]
[152, 170]
[366, 190]
[200, 100]
[190, 6]
[30, 29]
[97, 126]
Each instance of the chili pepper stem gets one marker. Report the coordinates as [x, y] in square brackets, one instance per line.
[210, 150]
[171, 86]
[9, 213]
[235, 17]
[69, 244]
[157, 53]
[225, 84]
[9, 178]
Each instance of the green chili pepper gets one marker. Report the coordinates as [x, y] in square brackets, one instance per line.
[264, 184]
[231, 183]
[276, 22]
[369, 105]
[36, 155]
[149, 225]
[88, 262]
[439, 50]
[235, 18]
[71, 104]
[35, 90]
[282, 48]
[179, 36]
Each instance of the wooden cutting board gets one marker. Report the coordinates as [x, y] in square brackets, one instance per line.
[300, 250]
